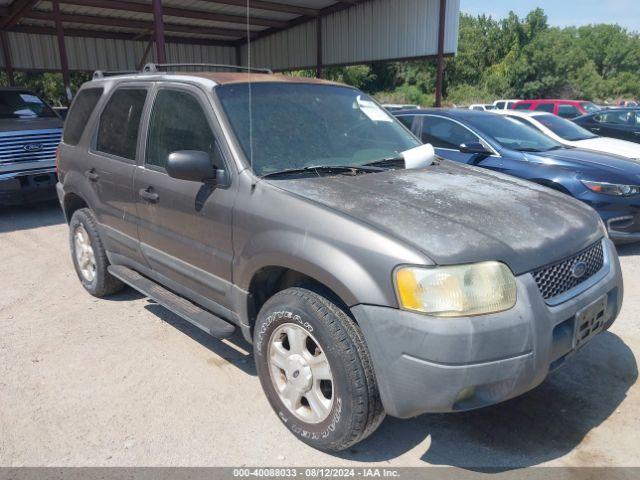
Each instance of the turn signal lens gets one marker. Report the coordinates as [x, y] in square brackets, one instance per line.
[456, 291]
[612, 188]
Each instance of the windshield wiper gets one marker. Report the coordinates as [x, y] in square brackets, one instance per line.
[529, 149]
[350, 169]
[389, 162]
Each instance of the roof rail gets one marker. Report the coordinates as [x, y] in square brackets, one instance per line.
[104, 73]
[155, 67]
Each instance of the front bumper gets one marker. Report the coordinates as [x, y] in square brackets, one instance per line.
[429, 364]
[621, 215]
[27, 186]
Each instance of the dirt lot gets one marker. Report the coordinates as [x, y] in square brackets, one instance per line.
[125, 382]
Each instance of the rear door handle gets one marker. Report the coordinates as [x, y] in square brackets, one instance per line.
[595, 129]
[636, 133]
[92, 175]
[148, 194]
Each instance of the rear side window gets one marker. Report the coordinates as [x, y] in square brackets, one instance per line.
[545, 107]
[568, 111]
[120, 123]
[178, 122]
[500, 106]
[79, 114]
[523, 106]
[406, 120]
[443, 133]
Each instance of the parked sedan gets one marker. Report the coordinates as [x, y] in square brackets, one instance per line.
[608, 183]
[622, 123]
[571, 135]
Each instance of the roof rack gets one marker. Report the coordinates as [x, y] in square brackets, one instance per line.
[155, 67]
[104, 73]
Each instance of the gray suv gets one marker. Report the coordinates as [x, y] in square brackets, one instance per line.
[282, 207]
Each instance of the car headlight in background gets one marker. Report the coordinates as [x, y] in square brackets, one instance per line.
[612, 188]
[456, 291]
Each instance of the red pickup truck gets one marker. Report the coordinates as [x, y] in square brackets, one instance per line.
[562, 108]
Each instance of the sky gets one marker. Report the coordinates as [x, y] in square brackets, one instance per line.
[563, 12]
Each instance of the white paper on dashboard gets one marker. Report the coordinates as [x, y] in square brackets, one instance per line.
[373, 111]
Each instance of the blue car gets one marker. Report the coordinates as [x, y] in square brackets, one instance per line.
[608, 183]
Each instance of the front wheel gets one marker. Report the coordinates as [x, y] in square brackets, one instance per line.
[315, 369]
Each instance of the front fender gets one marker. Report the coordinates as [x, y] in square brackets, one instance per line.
[318, 259]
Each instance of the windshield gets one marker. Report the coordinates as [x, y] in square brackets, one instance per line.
[301, 125]
[514, 135]
[590, 107]
[17, 104]
[564, 128]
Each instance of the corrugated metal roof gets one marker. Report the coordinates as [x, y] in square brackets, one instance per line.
[40, 52]
[372, 30]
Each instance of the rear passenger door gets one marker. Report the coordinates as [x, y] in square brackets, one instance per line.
[111, 165]
[616, 124]
[184, 226]
[447, 135]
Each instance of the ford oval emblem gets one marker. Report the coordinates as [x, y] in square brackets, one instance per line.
[579, 269]
[33, 147]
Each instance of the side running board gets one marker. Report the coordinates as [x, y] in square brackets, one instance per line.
[202, 319]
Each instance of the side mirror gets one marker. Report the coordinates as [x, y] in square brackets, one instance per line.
[194, 166]
[474, 148]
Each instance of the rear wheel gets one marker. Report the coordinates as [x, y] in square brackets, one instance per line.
[315, 369]
[89, 256]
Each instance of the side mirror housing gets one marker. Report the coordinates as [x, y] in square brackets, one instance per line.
[474, 148]
[195, 166]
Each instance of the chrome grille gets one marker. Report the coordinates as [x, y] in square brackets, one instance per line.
[29, 145]
[556, 279]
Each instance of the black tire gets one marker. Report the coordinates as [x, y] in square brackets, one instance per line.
[103, 283]
[356, 411]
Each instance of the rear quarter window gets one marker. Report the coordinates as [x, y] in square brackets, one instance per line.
[568, 111]
[78, 116]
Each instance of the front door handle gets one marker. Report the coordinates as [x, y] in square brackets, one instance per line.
[92, 175]
[595, 129]
[636, 133]
[149, 195]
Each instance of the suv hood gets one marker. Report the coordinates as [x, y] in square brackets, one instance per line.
[16, 124]
[458, 214]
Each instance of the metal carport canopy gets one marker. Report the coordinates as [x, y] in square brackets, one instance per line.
[87, 35]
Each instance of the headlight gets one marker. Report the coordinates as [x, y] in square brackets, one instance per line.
[612, 188]
[456, 291]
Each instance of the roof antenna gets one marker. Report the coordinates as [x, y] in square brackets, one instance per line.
[253, 185]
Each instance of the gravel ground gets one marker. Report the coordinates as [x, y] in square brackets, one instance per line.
[123, 382]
